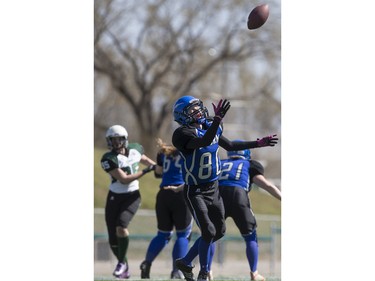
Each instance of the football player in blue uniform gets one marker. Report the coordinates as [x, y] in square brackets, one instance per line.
[171, 211]
[198, 139]
[238, 174]
[123, 199]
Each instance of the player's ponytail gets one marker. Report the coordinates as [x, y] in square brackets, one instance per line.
[166, 149]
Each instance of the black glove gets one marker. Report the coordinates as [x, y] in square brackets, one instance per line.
[221, 108]
[267, 141]
[148, 169]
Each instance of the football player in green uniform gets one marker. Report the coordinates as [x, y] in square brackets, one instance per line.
[124, 198]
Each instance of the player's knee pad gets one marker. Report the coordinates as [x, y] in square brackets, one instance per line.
[165, 235]
[185, 233]
[251, 236]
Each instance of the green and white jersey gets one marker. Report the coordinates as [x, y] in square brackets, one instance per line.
[129, 164]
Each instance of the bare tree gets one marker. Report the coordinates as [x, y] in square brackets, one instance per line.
[150, 52]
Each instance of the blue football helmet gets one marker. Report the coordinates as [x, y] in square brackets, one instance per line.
[184, 113]
[244, 154]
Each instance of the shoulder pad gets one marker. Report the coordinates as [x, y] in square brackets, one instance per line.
[137, 147]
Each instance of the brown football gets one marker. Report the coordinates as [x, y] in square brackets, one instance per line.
[258, 16]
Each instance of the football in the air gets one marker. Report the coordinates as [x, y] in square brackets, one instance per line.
[258, 16]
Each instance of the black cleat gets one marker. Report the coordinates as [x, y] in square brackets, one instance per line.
[202, 276]
[145, 270]
[186, 270]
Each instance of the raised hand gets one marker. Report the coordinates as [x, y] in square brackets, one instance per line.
[221, 108]
[267, 141]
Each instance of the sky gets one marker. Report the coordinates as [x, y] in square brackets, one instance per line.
[46, 111]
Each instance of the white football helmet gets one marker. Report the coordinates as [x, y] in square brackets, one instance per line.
[117, 131]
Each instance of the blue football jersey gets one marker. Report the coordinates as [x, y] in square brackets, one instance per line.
[172, 172]
[235, 172]
[203, 165]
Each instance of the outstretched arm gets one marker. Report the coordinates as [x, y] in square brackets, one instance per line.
[263, 183]
[125, 178]
[241, 145]
[236, 145]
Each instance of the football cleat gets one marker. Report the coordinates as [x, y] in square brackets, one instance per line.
[202, 276]
[121, 271]
[125, 275]
[120, 268]
[145, 270]
[177, 274]
[186, 270]
[256, 276]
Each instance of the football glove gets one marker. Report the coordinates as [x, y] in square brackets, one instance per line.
[221, 108]
[267, 141]
[148, 169]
